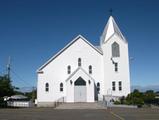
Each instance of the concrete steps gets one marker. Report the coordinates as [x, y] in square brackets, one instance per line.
[80, 106]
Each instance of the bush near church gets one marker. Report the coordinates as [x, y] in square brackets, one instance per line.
[139, 98]
[7, 90]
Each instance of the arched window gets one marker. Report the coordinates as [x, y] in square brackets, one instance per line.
[80, 82]
[69, 69]
[61, 87]
[79, 62]
[115, 50]
[47, 87]
[98, 86]
[90, 69]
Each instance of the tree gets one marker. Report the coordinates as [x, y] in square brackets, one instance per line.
[31, 95]
[135, 98]
[139, 98]
[6, 89]
[149, 97]
[122, 100]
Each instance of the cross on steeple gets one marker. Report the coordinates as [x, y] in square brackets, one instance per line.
[111, 11]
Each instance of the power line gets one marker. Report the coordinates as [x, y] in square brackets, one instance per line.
[20, 78]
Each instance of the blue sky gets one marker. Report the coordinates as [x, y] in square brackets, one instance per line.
[32, 31]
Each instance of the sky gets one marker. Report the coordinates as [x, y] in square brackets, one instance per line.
[32, 31]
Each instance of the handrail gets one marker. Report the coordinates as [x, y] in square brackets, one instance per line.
[59, 101]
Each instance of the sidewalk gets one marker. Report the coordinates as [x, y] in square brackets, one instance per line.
[80, 106]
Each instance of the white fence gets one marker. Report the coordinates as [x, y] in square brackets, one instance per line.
[20, 103]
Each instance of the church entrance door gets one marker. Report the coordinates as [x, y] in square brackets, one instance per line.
[80, 90]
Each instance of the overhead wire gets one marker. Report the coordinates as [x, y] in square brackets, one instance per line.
[20, 78]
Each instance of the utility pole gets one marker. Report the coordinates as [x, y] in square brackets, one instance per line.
[8, 67]
[130, 69]
[33, 94]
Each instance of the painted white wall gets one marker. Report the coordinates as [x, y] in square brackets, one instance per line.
[103, 72]
[123, 67]
[56, 71]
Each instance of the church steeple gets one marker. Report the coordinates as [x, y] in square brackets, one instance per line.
[110, 29]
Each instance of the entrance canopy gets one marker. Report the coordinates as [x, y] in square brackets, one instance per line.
[80, 87]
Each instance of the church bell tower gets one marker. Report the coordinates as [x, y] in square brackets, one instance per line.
[115, 61]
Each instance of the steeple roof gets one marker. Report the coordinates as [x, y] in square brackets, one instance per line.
[110, 29]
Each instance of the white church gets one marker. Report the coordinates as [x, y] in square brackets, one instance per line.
[82, 72]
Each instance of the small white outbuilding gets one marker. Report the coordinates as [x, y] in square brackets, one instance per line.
[19, 101]
[82, 72]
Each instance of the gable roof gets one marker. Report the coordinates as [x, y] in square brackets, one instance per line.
[67, 46]
[79, 68]
[110, 29]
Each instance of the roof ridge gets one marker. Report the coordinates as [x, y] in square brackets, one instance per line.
[63, 49]
[79, 68]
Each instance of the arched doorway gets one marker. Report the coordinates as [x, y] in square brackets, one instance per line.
[80, 94]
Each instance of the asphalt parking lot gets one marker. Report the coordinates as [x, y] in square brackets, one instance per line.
[54, 114]
[83, 114]
[137, 114]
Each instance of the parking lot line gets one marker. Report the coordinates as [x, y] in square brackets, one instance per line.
[116, 115]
